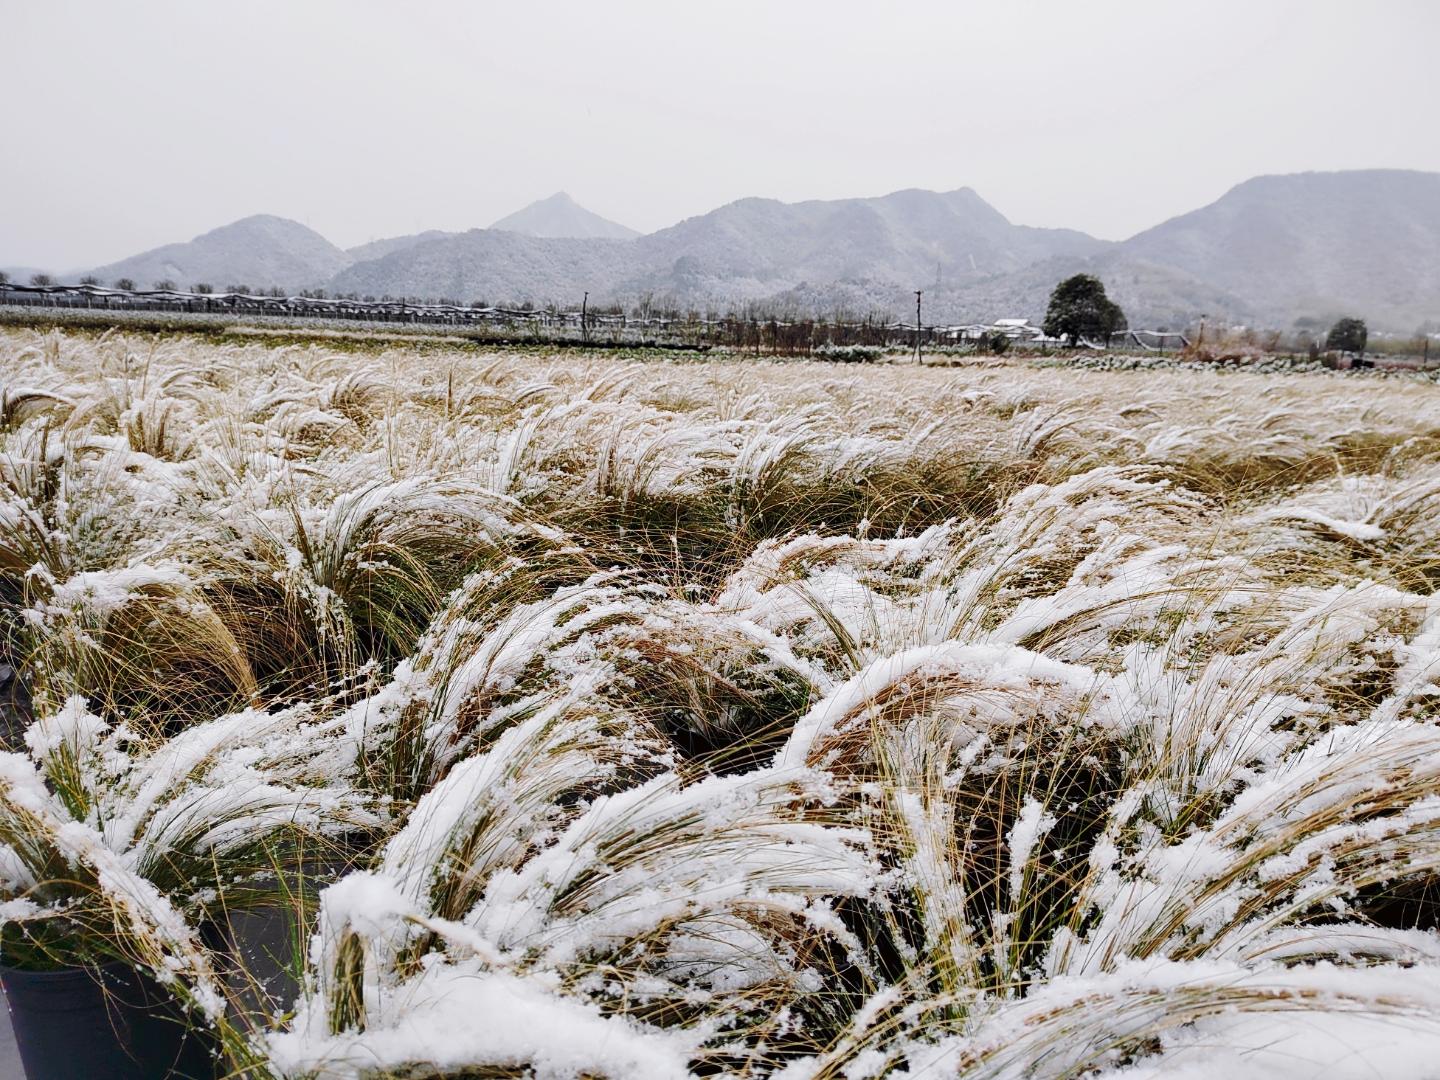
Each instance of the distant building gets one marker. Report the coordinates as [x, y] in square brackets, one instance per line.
[1014, 329]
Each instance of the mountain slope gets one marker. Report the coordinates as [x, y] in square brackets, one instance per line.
[259, 251]
[378, 249]
[1272, 250]
[747, 250]
[561, 217]
[911, 238]
[1317, 244]
[494, 266]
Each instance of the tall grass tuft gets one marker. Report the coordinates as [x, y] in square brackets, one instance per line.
[660, 718]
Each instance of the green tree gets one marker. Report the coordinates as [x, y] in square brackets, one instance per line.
[1348, 335]
[1079, 308]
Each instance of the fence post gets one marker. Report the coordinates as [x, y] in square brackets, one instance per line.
[917, 326]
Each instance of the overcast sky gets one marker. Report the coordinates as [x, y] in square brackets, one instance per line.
[129, 125]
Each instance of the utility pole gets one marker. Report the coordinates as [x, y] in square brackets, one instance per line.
[585, 318]
[917, 326]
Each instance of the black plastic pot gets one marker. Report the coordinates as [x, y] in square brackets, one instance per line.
[254, 953]
[255, 949]
[108, 1023]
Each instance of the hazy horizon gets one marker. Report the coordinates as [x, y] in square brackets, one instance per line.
[363, 124]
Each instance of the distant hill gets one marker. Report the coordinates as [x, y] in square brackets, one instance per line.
[911, 238]
[748, 250]
[494, 266]
[260, 251]
[561, 217]
[1152, 296]
[1317, 244]
[378, 249]
[1270, 251]
[1273, 250]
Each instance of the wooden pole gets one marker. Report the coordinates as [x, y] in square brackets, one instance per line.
[917, 326]
[584, 321]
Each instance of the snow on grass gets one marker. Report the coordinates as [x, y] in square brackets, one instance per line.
[660, 718]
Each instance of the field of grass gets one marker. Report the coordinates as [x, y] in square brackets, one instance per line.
[665, 717]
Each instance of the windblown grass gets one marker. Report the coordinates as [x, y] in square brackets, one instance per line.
[656, 719]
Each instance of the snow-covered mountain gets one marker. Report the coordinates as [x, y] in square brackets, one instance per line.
[1272, 250]
[752, 249]
[1365, 242]
[561, 217]
[260, 251]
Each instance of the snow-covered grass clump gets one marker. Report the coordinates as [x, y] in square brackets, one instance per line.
[735, 718]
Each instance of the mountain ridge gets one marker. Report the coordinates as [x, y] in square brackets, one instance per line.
[1271, 250]
[261, 250]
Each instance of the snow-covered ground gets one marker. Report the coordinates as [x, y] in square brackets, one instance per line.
[653, 717]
